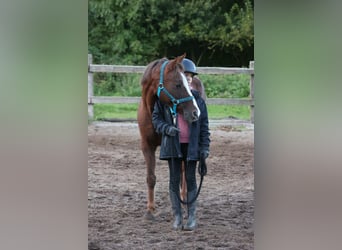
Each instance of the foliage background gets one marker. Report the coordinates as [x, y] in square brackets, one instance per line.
[135, 32]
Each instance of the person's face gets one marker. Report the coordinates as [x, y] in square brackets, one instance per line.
[189, 77]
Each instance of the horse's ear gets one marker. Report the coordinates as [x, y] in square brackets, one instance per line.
[178, 60]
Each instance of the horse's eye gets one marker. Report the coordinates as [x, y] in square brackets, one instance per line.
[178, 86]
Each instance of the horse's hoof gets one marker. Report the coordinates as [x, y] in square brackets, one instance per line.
[149, 216]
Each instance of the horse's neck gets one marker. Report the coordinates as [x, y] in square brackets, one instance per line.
[149, 100]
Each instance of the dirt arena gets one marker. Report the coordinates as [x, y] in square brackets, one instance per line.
[117, 192]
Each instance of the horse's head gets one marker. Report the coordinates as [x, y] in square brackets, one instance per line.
[174, 90]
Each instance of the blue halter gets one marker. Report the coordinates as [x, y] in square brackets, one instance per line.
[161, 88]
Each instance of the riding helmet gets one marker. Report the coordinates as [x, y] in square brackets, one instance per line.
[189, 66]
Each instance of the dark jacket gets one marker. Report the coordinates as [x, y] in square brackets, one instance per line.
[199, 131]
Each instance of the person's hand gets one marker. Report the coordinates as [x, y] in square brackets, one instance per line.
[202, 167]
[204, 154]
[172, 131]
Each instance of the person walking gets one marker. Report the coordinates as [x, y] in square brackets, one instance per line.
[183, 143]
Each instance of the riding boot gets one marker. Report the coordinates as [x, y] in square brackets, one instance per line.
[177, 211]
[191, 223]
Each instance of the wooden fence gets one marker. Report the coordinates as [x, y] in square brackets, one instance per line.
[92, 68]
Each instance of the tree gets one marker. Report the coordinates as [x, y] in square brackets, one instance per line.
[212, 33]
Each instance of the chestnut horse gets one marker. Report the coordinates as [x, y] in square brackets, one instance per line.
[163, 79]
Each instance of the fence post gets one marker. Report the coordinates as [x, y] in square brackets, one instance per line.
[90, 89]
[251, 92]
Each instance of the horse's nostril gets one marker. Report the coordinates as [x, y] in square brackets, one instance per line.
[195, 115]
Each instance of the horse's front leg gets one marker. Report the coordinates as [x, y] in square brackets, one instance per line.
[149, 154]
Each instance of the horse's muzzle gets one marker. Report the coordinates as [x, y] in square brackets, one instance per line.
[191, 116]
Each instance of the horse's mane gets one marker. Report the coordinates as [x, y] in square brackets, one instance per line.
[147, 77]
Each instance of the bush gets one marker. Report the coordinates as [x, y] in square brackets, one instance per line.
[109, 84]
[216, 86]
[226, 86]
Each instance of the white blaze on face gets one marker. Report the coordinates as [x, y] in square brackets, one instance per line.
[187, 87]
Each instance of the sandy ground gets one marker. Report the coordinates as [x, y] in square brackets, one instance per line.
[117, 192]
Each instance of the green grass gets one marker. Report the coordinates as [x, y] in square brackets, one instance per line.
[118, 111]
[129, 111]
[225, 111]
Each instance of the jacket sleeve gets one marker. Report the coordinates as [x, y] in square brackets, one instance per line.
[158, 119]
[204, 137]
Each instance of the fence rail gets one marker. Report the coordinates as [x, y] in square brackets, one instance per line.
[141, 69]
[92, 68]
